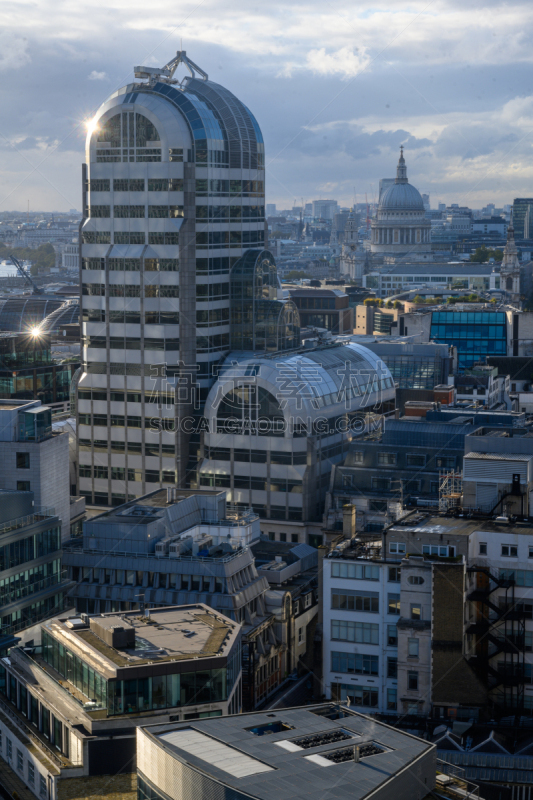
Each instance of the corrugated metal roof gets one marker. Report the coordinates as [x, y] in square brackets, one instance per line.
[215, 753]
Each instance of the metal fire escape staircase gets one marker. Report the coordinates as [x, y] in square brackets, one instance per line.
[499, 630]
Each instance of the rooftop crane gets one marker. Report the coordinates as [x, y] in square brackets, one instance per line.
[26, 275]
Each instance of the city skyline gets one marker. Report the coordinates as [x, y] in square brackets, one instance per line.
[449, 83]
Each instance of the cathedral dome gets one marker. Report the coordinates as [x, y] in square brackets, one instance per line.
[401, 196]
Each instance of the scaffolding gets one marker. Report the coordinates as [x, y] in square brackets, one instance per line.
[450, 490]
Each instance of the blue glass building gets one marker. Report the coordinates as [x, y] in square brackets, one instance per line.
[475, 334]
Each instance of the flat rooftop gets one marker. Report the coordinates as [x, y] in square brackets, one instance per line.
[297, 753]
[176, 633]
[455, 526]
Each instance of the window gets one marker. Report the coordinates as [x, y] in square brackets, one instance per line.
[386, 459]
[348, 600]
[354, 663]
[392, 667]
[367, 572]
[391, 699]
[381, 484]
[445, 462]
[510, 550]
[412, 648]
[359, 632]
[415, 580]
[357, 457]
[23, 460]
[20, 761]
[483, 549]
[396, 547]
[413, 460]
[416, 611]
[42, 786]
[294, 538]
[31, 774]
[438, 550]
[378, 506]
[530, 553]
[300, 635]
[394, 574]
[412, 681]
[9, 749]
[392, 635]
[393, 606]
[23, 486]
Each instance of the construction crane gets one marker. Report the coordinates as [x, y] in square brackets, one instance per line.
[26, 275]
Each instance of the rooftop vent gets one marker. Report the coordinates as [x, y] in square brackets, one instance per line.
[319, 739]
[270, 727]
[354, 753]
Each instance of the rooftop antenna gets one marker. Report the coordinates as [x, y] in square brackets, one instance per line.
[166, 74]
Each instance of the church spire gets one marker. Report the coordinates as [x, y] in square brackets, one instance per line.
[401, 170]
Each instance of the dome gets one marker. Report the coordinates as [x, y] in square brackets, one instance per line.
[401, 196]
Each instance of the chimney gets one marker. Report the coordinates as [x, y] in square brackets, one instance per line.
[348, 520]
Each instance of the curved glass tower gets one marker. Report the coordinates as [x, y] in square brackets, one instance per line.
[173, 198]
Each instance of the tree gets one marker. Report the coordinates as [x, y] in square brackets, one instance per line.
[43, 258]
[482, 254]
[296, 275]
[418, 299]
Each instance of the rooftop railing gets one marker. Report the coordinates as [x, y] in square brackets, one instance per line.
[21, 522]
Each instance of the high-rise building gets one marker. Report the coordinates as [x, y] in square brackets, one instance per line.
[271, 209]
[173, 197]
[522, 217]
[325, 209]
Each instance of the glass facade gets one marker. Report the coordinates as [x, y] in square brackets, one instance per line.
[412, 372]
[141, 694]
[27, 371]
[30, 548]
[259, 321]
[475, 334]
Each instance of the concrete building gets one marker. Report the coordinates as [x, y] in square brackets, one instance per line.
[168, 220]
[490, 225]
[70, 256]
[363, 758]
[482, 385]
[70, 702]
[164, 550]
[35, 458]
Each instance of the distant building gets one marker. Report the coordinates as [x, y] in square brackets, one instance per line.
[70, 256]
[323, 308]
[523, 217]
[395, 278]
[490, 225]
[271, 209]
[324, 209]
[400, 226]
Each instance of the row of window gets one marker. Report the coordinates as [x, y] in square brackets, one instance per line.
[367, 632]
[133, 448]
[136, 185]
[130, 237]
[132, 264]
[216, 187]
[130, 397]
[255, 456]
[120, 343]
[28, 775]
[411, 459]
[231, 213]
[121, 317]
[121, 474]
[248, 482]
[156, 580]
[130, 290]
[349, 600]
[136, 212]
[115, 421]
[31, 581]
[30, 548]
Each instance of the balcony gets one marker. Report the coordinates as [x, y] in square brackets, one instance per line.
[29, 519]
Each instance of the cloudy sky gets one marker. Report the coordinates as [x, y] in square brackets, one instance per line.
[336, 86]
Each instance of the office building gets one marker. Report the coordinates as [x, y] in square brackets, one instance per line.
[271, 209]
[284, 754]
[162, 550]
[70, 256]
[400, 226]
[323, 308]
[482, 385]
[71, 701]
[438, 278]
[522, 217]
[34, 457]
[27, 371]
[174, 198]
[274, 427]
[32, 586]
[324, 209]
[397, 464]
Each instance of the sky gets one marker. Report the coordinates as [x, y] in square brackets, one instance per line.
[335, 86]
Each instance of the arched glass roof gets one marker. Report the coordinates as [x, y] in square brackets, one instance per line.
[67, 314]
[24, 313]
